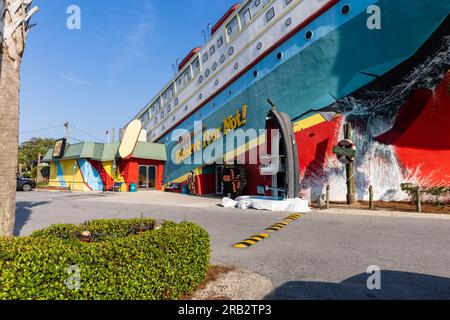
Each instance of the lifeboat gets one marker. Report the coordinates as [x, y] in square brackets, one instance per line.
[188, 58]
[224, 18]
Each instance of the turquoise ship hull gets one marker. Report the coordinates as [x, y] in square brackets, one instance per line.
[343, 56]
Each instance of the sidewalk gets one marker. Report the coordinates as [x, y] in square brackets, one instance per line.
[380, 213]
[157, 198]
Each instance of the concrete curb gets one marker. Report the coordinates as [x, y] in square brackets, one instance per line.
[390, 214]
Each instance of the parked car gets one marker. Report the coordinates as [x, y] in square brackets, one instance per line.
[25, 184]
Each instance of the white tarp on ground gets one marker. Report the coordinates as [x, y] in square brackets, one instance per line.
[259, 203]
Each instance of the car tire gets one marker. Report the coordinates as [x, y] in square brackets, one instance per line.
[26, 187]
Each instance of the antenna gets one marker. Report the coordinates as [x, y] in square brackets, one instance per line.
[204, 36]
[208, 28]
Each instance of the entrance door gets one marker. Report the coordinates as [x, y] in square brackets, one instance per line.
[147, 177]
[219, 183]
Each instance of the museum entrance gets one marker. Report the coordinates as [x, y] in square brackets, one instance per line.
[147, 177]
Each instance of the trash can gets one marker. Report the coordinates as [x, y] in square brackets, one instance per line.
[133, 187]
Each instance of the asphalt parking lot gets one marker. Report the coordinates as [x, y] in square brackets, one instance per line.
[319, 256]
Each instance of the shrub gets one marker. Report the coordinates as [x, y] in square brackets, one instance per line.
[437, 192]
[154, 265]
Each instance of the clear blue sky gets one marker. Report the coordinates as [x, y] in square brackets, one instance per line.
[99, 77]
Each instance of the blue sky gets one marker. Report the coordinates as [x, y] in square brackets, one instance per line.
[99, 77]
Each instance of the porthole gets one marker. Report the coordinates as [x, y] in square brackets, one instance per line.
[154, 135]
[173, 119]
[345, 10]
[207, 72]
[180, 82]
[259, 46]
[200, 96]
[231, 51]
[164, 127]
[222, 58]
[216, 82]
[214, 66]
[186, 108]
[229, 92]
[169, 108]
[176, 101]
[200, 79]
[255, 73]
[309, 35]
[236, 66]
[288, 22]
[279, 55]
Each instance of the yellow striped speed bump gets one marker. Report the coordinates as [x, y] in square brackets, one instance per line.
[251, 241]
[284, 223]
[259, 237]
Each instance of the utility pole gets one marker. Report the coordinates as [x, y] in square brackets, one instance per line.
[350, 169]
[113, 135]
[67, 131]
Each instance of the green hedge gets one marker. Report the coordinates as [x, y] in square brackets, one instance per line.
[154, 265]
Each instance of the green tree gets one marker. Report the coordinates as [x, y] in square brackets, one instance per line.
[29, 152]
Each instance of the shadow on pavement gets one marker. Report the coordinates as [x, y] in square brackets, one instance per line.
[395, 285]
[23, 212]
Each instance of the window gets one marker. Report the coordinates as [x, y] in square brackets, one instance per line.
[168, 94]
[145, 116]
[196, 66]
[155, 106]
[212, 50]
[219, 42]
[169, 108]
[245, 15]
[270, 14]
[288, 1]
[222, 58]
[184, 78]
[205, 57]
[233, 27]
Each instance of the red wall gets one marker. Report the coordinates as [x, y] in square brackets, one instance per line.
[421, 135]
[129, 170]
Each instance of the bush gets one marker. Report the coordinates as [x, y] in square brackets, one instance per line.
[437, 192]
[153, 265]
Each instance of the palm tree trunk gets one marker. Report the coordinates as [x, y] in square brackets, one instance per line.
[9, 141]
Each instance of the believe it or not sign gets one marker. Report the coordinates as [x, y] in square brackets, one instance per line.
[345, 151]
[230, 123]
[59, 149]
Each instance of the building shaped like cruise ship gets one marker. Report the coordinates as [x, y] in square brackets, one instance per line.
[302, 55]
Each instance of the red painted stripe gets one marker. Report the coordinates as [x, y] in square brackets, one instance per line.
[293, 32]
